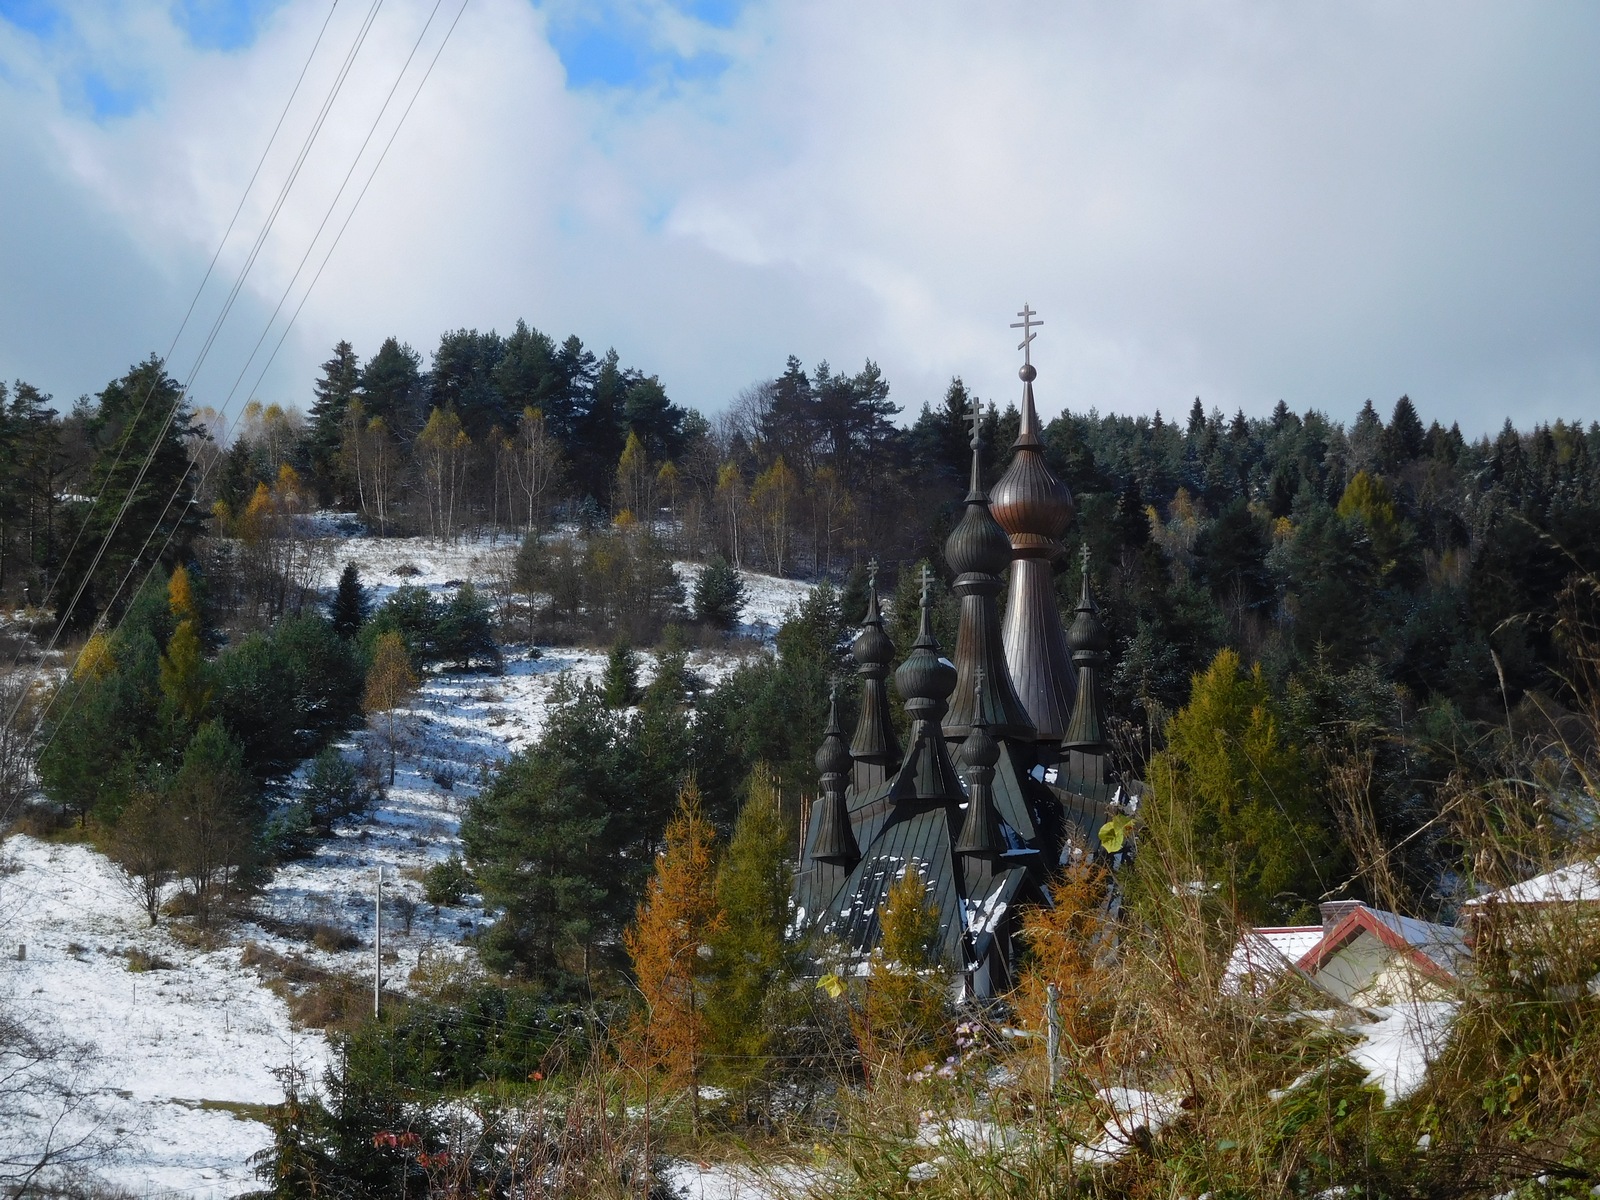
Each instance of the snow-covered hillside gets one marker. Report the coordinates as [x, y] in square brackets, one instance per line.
[179, 1049]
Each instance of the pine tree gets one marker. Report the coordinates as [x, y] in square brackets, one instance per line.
[465, 632]
[351, 605]
[341, 375]
[752, 961]
[213, 814]
[719, 594]
[670, 943]
[620, 683]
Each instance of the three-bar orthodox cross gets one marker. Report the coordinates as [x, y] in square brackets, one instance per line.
[1027, 325]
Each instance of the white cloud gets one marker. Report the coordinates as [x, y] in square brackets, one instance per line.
[1232, 201]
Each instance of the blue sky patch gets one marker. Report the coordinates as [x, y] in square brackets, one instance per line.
[38, 17]
[221, 24]
[614, 46]
[109, 99]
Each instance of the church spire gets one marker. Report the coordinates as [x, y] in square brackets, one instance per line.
[1089, 641]
[1034, 508]
[978, 552]
[925, 681]
[874, 747]
[832, 839]
[980, 832]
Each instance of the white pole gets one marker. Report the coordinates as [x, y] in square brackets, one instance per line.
[377, 945]
[1052, 1040]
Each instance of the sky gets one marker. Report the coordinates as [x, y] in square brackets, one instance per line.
[1245, 202]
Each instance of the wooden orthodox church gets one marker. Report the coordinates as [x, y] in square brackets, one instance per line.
[1007, 769]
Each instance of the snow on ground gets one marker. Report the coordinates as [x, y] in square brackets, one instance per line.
[727, 1181]
[170, 1043]
[175, 1043]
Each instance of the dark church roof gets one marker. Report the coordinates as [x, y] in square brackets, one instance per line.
[983, 801]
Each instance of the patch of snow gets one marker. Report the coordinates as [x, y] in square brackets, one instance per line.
[1576, 883]
[727, 1181]
[969, 1133]
[1397, 1047]
[1264, 954]
[168, 1042]
[1132, 1110]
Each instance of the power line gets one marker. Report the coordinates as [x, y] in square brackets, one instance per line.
[189, 312]
[206, 347]
[326, 257]
[216, 326]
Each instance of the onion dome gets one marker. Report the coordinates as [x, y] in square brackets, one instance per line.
[1034, 508]
[1029, 502]
[832, 839]
[874, 746]
[1089, 641]
[977, 545]
[978, 551]
[872, 644]
[925, 680]
[980, 832]
[833, 756]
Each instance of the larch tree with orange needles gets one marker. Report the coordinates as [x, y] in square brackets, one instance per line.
[1068, 947]
[670, 944]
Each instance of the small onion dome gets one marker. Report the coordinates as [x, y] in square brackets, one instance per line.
[872, 644]
[977, 545]
[1087, 633]
[833, 756]
[978, 749]
[980, 833]
[925, 680]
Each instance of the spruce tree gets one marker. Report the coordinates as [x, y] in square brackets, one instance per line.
[620, 683]
[340, 376]
[351, 605]
[140, 475]
[719, 594]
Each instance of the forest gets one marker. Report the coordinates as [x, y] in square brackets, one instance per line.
[1353, 661]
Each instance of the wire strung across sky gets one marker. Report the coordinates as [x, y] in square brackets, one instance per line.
[227, 307]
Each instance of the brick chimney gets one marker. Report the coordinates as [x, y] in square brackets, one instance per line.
[1334, 911]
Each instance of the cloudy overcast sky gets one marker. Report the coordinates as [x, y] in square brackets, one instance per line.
[1245, 202]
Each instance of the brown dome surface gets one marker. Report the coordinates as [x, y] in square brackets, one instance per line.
[1029, 502]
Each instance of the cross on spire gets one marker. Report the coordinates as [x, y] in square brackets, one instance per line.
[973, 418]
[872, 572]
[1027, 325]
[1084, 554]
[927, 584]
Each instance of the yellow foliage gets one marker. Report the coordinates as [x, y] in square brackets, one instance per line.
[902, 1023]
[183, 671]
[95, 660]
[390, 679]
[180, 595]
[1232, 787]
